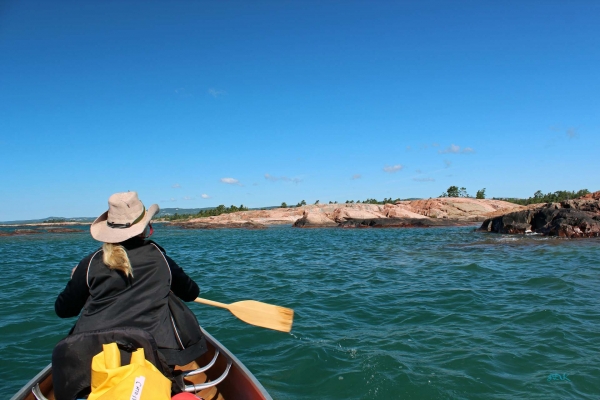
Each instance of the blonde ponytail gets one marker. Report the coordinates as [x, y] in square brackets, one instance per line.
[115, 257]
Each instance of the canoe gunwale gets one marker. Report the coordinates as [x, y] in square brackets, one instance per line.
[25, 390]
[238, 364]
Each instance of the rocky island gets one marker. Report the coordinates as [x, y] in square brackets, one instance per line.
[446, 211]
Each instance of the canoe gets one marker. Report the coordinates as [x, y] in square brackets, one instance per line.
[216, 375]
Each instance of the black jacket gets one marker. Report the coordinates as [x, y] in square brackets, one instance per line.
[109, 299]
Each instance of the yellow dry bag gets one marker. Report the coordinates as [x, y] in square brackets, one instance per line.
[140, 380]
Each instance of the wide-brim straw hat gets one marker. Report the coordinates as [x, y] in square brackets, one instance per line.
[126, 217]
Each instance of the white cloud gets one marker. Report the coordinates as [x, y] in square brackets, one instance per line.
[205, 196]
[356, 176]
[454, 149]
[176, 186]
[448, 163]
[216, 92]
[173, 199]
[393, 168]
[188, 198]
[231, 181]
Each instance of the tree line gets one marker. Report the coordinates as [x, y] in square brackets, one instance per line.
[211, 212]
[538, 196]
[367, 201]
[550, 197]
[455, 191]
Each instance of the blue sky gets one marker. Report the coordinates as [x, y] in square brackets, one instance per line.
[196, 103]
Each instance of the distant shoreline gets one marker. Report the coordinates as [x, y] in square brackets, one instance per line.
[5, 225]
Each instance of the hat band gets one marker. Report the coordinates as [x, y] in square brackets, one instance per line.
[127, 225]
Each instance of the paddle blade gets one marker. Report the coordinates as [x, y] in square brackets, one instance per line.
[263, 315]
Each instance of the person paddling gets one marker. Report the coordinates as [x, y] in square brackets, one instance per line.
[127, 282]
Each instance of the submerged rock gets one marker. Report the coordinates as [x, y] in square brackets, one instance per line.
[18, 232]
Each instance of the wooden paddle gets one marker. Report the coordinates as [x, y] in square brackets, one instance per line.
[257, 313]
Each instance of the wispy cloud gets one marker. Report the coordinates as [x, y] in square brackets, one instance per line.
[173, 199]
[356, 176]
[205, 196]
[216, 92]
[393, 168]
[572, 133]
[282, 178]
[423, 179]
[188, 198]
[555, 128]
[419, 171]
[231, 181]
[454, 149]
[408, 148]
[176, 186]
[182, 92]
[448, 163]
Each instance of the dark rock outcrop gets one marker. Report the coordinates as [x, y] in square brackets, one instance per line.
[230, 225]
[571, 219]
[396, 223]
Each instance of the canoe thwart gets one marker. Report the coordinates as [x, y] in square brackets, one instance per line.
[202, 369]
[37, 392]
[201, 386]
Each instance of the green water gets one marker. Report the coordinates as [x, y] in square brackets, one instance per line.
[438, 313]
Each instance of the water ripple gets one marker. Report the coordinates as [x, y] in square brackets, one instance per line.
[439, 313]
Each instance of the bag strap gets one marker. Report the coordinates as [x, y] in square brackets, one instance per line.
[183, 357]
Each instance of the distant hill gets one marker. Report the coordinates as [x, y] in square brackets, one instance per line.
[83, 220]
[181, 211]
[162, 213]
[191, 211]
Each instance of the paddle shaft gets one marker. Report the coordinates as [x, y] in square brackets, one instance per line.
[211, 303]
